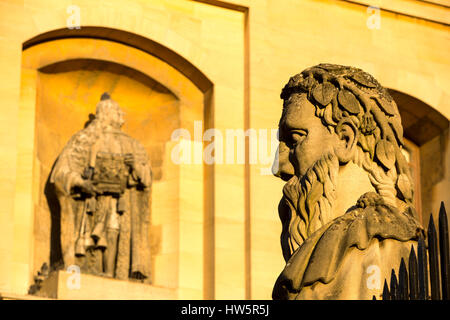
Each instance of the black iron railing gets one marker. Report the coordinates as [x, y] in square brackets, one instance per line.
[427, 275]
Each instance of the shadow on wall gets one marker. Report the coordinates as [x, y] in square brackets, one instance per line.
[98, 66]
[56, 257]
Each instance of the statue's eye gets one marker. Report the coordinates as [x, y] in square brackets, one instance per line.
[298, 136]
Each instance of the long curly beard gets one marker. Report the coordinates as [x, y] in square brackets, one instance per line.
[307, 203]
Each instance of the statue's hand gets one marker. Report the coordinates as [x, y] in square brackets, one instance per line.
[85, 186]
[88, 187]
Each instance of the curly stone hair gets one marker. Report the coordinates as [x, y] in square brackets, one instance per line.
[347, 93]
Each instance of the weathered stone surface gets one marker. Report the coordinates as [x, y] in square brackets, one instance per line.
[347, 204]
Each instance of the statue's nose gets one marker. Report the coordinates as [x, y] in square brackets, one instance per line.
[282, 167]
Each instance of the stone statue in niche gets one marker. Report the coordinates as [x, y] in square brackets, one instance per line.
[346, 211]
[103, 183]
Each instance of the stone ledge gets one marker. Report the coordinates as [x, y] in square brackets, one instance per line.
[58, 286]
[13, 296]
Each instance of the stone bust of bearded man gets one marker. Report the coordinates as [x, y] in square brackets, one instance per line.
[346, 210]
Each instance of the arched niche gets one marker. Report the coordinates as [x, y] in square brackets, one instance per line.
[426, 136]
[420, 121]
[62, 80]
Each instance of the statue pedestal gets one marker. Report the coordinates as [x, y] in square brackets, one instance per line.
[66, 286]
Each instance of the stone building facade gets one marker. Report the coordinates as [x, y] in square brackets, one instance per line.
[199, 65]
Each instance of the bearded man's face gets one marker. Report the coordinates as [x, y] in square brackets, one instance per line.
[304, 139]
[307, 161]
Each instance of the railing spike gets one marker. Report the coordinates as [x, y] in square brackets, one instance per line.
[444, 252]
[422, 264]
[386, 294]
[394, 286]
[434, 260]
[429, 271]
[403, 281]
[413, 276]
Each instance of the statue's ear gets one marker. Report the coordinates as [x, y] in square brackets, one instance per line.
[347, 139]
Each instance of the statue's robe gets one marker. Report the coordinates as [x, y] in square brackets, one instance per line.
[133, 247]
[350, 257]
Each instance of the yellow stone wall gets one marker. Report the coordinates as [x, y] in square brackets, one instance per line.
[220, 238]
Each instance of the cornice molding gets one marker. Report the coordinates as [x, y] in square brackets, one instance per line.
[430, 10]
